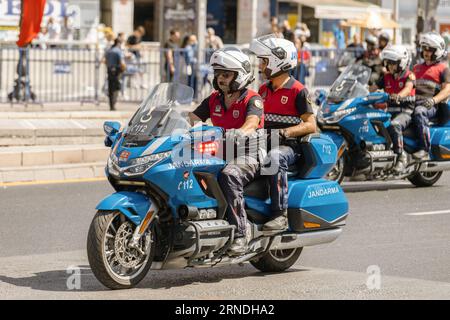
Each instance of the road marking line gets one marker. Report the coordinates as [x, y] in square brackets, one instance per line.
[428, 213]
[31, 183]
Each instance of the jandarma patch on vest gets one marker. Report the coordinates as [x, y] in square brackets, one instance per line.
[259, 104]
[217, 108]
[284, 99]
[236, 114]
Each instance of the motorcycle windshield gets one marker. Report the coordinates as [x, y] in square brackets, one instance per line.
[160, 113]
[350, 84]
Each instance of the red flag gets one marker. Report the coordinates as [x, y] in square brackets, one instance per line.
[30, 20]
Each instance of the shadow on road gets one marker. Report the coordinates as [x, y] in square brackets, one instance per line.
[57, 281]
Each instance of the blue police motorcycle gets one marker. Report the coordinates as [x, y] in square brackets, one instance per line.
[354, 119]
[168, 210]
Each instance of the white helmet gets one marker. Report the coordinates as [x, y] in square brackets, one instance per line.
[281, 53]
[232, 59]
[372, 40]
[435, 41]
[396, 53]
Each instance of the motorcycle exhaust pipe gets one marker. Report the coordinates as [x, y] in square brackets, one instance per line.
[299, 240]
[434, 166]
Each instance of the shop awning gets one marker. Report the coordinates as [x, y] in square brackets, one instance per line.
[340, 9]
[372, 20]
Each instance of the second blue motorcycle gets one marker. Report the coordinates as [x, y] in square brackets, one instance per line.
[352, 118]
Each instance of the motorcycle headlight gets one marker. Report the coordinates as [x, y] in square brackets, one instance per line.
[135, 166]
[140, 165]
[113, 164]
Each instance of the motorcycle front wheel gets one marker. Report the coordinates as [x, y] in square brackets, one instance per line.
[337, 173]
[113, 262]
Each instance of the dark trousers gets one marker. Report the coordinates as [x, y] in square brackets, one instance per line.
[114, 87]
[280, 158]
[420, 120]
[233, 178]
[400, 121]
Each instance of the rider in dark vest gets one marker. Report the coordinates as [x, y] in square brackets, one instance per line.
[432, 88]
[287, 112]
[399, 83]
[240, 111]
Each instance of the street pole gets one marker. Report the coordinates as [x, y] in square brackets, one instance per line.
[396, 17]
[201, 35]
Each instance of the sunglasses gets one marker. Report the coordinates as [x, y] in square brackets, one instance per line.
[429, 49]
[223, 73]
[390, 62]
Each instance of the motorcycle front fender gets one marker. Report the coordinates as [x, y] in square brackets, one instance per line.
[131, 204]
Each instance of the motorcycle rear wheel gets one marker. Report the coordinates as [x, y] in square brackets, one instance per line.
[425, 179]
[277, 260]
[113, 263]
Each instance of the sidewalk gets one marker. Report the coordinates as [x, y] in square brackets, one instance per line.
[55, 142]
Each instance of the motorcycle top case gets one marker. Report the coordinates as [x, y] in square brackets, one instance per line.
[444, 114]
[321, 202]
[318, 156]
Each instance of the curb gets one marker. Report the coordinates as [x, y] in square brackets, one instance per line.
[52, 173]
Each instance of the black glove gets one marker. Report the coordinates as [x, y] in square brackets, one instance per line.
[394, 99]
[278, 135]
[429, 103]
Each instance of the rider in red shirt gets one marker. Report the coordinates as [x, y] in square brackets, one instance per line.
[287, 112]
[432, 88]
[240, 111]
[399, 83]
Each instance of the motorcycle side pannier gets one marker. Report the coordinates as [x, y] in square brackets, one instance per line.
[318, 156]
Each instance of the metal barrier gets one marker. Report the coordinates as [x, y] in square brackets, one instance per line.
[77, 74]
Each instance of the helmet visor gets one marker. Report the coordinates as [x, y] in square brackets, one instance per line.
[429, 49]
[223, 73]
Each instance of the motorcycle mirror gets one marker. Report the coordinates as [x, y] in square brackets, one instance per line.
[111, 127]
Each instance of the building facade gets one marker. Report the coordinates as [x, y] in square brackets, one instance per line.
[235, 21]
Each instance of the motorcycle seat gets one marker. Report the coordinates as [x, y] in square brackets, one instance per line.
[258, 188]
[293, 171]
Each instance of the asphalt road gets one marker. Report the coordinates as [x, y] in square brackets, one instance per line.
[44, 228]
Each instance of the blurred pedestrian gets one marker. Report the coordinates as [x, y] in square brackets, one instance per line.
[109, 37]
[190, 46]
[287, 32]
[339, 37]
[67, 29]
[213, 43]
[42, 37]
[275, 28]
[302, 30]
[171, 54]
[134, 45]
[356, 47]
[114, 59]
[54, 30]
[304, 58]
